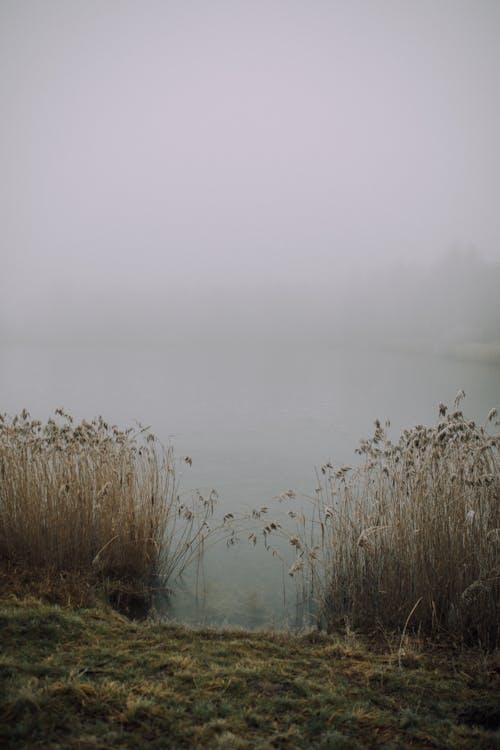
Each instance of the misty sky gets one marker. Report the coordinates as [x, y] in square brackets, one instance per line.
[162, 152]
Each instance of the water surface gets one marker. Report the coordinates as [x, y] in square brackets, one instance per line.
[256, 420]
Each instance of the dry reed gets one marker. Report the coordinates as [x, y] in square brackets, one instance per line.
[415, 529]
[94, 499]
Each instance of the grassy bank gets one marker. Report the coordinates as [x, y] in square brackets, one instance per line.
[82, 678]
[405, 545]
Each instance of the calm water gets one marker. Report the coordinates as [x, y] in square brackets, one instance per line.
[256, 421]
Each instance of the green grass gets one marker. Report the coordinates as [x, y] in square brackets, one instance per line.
[89, 678]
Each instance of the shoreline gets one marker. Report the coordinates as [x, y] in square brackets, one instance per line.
[90, 678]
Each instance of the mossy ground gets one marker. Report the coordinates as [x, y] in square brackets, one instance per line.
[89, 678]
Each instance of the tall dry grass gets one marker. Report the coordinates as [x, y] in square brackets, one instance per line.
[93, 499]
[412, 537]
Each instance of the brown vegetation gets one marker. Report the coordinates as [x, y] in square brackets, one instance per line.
[411, 539]
[94, 501]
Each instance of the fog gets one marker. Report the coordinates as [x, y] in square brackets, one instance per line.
[251, 171]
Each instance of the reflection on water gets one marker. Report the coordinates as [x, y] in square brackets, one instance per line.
[255, 422]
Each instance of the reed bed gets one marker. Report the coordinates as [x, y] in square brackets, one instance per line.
[411, 538]
[92, 499]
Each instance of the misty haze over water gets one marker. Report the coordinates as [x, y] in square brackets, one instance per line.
[256, 421]
[255, 227]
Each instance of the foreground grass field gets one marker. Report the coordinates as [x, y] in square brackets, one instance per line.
[89, 678]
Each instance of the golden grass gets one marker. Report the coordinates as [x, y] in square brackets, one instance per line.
[410, 539]
[92, 499]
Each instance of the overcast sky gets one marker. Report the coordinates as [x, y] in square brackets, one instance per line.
[155, 150]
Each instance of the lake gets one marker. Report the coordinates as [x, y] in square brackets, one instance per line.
[255, 420]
